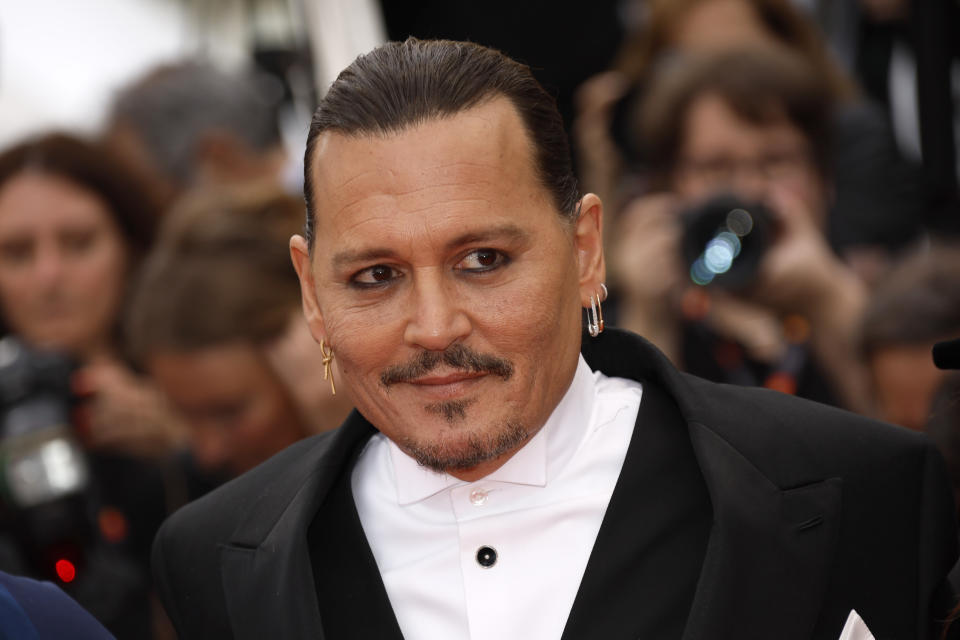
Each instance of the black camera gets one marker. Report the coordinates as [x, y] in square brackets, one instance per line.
[724, 239]
[49, 503]
[45, 475]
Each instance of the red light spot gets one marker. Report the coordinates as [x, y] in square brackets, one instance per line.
[65, 570]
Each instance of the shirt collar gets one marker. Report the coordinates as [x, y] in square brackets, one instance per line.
[536, 463]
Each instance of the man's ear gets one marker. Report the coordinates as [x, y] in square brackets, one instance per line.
[300, 256]
[588, 242]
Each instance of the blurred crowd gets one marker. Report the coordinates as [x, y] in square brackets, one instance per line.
[779, 212]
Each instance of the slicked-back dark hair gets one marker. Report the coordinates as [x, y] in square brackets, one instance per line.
[400, 85]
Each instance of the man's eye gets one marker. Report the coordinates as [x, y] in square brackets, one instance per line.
[481, 260]
[375, 275]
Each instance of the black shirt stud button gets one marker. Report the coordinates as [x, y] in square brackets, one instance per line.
[486, 557]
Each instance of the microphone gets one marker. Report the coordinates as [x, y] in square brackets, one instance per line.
[946, 354]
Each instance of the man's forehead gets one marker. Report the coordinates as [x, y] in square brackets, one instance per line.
[481, 153]
[490, 134]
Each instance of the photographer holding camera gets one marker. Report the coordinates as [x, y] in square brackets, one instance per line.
[81, 434]
[759, 301]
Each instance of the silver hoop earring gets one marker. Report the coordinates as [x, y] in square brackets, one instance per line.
[595, 314]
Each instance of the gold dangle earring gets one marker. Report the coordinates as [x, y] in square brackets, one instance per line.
[327, 361]
[595, 315]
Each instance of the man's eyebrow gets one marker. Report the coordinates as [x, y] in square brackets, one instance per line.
[505, 231]
[348, 256]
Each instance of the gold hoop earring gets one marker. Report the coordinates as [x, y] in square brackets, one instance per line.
[595, 314]
[327, 361]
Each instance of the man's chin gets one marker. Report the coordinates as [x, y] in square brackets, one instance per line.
[466, 450]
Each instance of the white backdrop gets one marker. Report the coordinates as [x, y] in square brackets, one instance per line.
[62, 60]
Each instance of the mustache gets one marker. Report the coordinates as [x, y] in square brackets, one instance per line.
[457, 356]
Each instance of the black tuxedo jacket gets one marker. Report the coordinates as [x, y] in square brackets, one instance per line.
[815, 512]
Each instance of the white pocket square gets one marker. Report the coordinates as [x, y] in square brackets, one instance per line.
[855, 628]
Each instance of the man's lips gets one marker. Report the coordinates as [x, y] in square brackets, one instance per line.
[448, 378]
[439, 387]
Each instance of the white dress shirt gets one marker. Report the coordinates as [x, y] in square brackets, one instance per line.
[540, 512]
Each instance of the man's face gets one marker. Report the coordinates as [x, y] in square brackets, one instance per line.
[447, 284]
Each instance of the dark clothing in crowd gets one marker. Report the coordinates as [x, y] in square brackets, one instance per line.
[542, 33]
[930, 32]
[880, 199]
[707, 355]
[33, 610]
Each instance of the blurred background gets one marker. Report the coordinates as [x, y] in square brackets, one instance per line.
[780, 180]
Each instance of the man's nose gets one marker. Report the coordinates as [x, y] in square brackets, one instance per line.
[436, 318]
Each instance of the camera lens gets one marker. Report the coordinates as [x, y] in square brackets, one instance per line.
[724, 239]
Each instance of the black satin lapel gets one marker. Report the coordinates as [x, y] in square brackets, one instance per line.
[269, 595]
[643, 569]
[265, 568]
[353, 601]
[765, 571]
